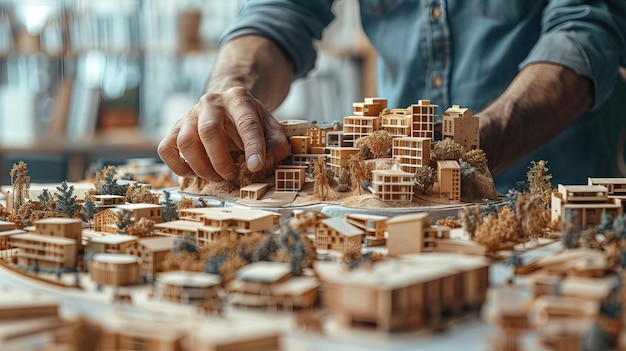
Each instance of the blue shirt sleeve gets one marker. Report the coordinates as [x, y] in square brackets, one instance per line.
[291, 24]
[588, 37]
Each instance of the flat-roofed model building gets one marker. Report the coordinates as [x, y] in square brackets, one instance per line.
[293, 127]
[177, 228]
[4, 225]
[397, 123]
[269, 284]
[411, 153]
[614, 186]
[253, 191]
[374, 226]
[339, 157]
[188, 287]
[6, 249]
[147, 211]
[355, 127]
[405, 233]
[290, 178]
[110, 243]
[460, 125]
[423, 117]
[44, 251]
[71, 228]
[317, 133]
[114, 269]
[449, 178]
[392, 185]
[403, 293]
[584, 204]
[221, 221]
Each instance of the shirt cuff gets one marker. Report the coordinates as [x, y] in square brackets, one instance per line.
[291, 30]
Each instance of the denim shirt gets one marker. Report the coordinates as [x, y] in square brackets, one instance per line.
[467, 52]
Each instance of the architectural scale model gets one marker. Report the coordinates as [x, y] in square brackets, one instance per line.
[207, 269]
[379, 151]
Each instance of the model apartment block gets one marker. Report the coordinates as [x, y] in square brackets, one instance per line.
[392, 185]
[584, 204]
[461, 126]
[411, 153]
[449, 176]
[44, 251]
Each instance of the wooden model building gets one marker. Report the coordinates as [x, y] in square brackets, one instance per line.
[405, 233]
[44, 252]
[26, 317]
[293, 127]
[317, 133]
[151, 251]
[61, 227]
[337, 234]
[449, 177]
[411, 153]
[616, 188]
[403, 293]
[4, 226]
[374, 227]
[114, 269]
[586, 203]
[339, 157]
[392, 185]
[110, 243]
[423, 115]
[269, 284]
[461, 126]
[177, 228]
[253, 191]
[6, 248]
[397, 123]
[290, 178]
[188, 287]
[106, 221]
[105, 201]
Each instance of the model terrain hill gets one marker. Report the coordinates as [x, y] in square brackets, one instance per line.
[123, 243]
[378, 157]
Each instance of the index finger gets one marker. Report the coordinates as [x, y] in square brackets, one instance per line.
[247, 114]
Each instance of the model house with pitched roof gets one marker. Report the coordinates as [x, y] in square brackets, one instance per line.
[337, 234]
[151, 252]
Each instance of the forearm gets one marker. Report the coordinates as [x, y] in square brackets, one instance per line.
[256, 64]
[540, 102]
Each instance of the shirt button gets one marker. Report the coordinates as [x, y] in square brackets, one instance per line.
[437, 81]
[436, 12]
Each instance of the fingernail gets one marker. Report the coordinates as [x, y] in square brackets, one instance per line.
[254, 161]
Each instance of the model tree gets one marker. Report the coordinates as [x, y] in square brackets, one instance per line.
[185, 203]
[170, 208]
[359, 171]
[447, 149]
[321, 187]
[88, 210]
[139, 194]
[539, 181]
[106, 184]
[142, 227]
[124, 221]
[344, 181]
[379, 142]
[291, 242]
[424, 178]
[21, 185]
[66, 204]
[46, 200]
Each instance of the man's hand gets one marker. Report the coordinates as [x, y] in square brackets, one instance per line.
[200, 144]
[252, 75]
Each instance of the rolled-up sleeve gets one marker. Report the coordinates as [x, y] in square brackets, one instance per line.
[588, 37]
[291, 24]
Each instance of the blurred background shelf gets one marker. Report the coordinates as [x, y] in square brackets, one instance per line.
[83, 80]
